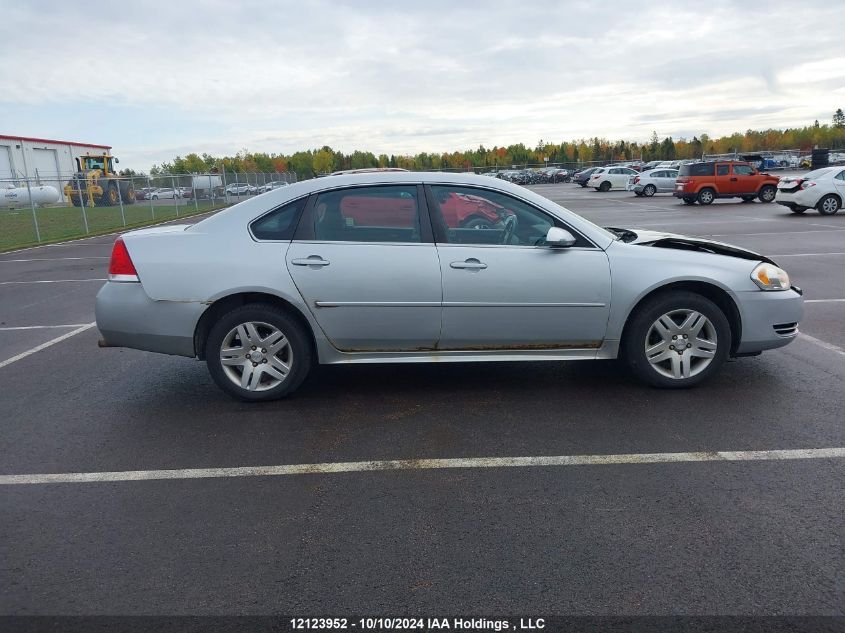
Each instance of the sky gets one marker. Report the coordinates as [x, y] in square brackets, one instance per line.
[161, 79]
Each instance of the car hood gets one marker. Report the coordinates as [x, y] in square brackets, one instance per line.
[660, 239]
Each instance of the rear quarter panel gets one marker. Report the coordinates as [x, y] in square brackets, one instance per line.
[205, 266]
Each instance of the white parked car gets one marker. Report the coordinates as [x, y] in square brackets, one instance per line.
[607, 178]
[653, 181]
[822, 189]
[165, 193]
[241, 189]
[272, 185]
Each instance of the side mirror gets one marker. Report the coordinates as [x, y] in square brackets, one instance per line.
[559, 238]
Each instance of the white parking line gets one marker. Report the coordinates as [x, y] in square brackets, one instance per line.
[51, 259]
[824, 344]
[773, 233]
[425, 464]
[38, 348]
[807, 254]
[48, 281]
[41, 327]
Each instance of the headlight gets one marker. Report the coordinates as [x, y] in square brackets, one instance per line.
[770, 277]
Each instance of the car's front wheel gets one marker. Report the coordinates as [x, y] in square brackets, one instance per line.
[649, 190]
[605, 186]
[258, 352]
[676, 340]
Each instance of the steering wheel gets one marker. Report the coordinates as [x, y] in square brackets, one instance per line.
[509, 229]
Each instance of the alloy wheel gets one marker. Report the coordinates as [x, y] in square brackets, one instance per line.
[256, 356]
[830, 205]
[681, 344]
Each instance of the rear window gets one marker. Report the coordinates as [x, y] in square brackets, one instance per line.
[279, 224]
[696, 169]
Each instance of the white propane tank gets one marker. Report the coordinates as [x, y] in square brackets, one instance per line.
[14, 197]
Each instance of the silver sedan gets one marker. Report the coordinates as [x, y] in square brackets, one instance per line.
[429, 267]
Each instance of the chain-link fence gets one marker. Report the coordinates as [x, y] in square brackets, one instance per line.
[54, 206]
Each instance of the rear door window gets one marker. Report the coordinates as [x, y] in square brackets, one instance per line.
[368, 214]
[723, 170]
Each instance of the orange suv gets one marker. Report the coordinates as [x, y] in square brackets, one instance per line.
[705, 181]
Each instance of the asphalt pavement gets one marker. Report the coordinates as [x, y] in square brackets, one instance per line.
[755, 537]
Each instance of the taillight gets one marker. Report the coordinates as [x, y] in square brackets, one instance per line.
[121, 267]
[636, 179]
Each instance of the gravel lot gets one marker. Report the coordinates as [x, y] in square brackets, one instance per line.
[715, 537]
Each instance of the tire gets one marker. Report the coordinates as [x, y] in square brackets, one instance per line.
[111, 196]
[583, 184]
[767, 193]
[689, 199]
[829, 204]
[153, 197]
[130, 196]
[605, 186]
[649, 190]
[477, 223]
[748, 198]
[258, 321]
[706, 196]
[678, 370]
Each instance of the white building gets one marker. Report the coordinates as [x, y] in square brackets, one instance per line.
[45, 161]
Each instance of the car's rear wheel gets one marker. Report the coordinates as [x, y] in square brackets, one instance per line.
[605, 186]
[676, 340]
[649, 190]
[828, 205]
[767, 193]
[706, 196]
[258, 352]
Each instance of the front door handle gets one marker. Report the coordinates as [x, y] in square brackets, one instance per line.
[311, 260]
[471, 263]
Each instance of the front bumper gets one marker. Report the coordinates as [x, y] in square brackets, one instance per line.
[769, 319]
[127, 317]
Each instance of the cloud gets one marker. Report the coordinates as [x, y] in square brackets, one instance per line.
[166, 78]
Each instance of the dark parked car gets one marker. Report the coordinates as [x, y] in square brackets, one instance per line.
[581, 177]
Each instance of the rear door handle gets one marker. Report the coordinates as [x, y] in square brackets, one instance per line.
[311, 260]
[471, 263]
[733, 179]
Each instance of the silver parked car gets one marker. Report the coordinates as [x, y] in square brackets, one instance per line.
[653, 181]
[398, 268]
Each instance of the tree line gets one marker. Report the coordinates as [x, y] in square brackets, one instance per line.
[309, 163]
